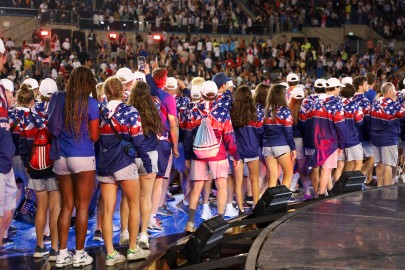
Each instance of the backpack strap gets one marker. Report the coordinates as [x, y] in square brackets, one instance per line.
[15, 124]
[109, 122]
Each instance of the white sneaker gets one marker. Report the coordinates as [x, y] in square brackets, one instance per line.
[143, 240]
[62, 261]
[231, 212]
[80, 260]
[137, 254]
[124, 239]
[206, 214]
[117, 257]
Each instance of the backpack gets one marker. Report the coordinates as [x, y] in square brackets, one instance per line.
[205, 143]
[40, 164]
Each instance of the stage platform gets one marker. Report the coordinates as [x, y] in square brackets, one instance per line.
[362, 230]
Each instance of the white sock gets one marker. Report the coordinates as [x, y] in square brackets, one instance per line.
[185, 202]
[5, 234]
[79, 252]
[124, 231]
[229, 205]
[206, 207]
[152, 219]
[294, 181]
[63, 252]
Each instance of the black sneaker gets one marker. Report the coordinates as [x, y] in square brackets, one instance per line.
[52, 255]
[98, 236]
[7, 242]
[249, 199]
[47, 239]
[27, 212]
[40, 252]
[12, 231]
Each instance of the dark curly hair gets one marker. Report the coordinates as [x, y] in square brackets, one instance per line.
[243, 108]
[81, 83]
[141, 99]
[348, 91]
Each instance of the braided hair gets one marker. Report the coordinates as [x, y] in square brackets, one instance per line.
[81, 83]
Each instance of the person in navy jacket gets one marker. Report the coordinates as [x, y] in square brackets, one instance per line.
[216, 166]
[35, 116]
[353, 152]
[278, 139]
[361, 86]
[246, 124]
[8, 188]
[386, 114]
[116, 166]
[141, 99]
[328, 130]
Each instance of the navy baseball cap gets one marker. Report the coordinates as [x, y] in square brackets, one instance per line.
[220, 79]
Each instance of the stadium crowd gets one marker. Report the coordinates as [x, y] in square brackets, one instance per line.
[256, 94]
[223, 16]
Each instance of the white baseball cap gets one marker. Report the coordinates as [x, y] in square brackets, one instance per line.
[333, 82]
[347, 80]
[209, 87]
[171, 83]
[298, 93]
[31, 83]
[125, 74]
[284, 84]
[320, 83]
[2, 47]
[48, 87]
[139, 76]
[196, 91]
[292, 77]
[8, 85]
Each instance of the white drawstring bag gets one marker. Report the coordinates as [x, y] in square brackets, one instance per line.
[205, 143]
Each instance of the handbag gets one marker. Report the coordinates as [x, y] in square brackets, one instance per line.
[127, 146]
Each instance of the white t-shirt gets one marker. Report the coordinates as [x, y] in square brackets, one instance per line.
[208, 45]
[208, 63]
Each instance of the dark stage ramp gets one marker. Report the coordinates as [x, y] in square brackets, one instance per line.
[362, 230]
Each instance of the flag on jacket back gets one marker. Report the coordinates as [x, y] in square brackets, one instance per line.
[385, 121]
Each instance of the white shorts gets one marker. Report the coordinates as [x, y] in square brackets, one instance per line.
[38, 185]
[245, 161]
[73, 165]
[8, 192]
[354, 152]
[368, 150]
[276, 151]
[388, 155]
[153, 155]
[331, 161]
[130, 172]
[201, 170]
[299, 147]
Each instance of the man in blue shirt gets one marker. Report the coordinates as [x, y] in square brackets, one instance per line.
[371, 93]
